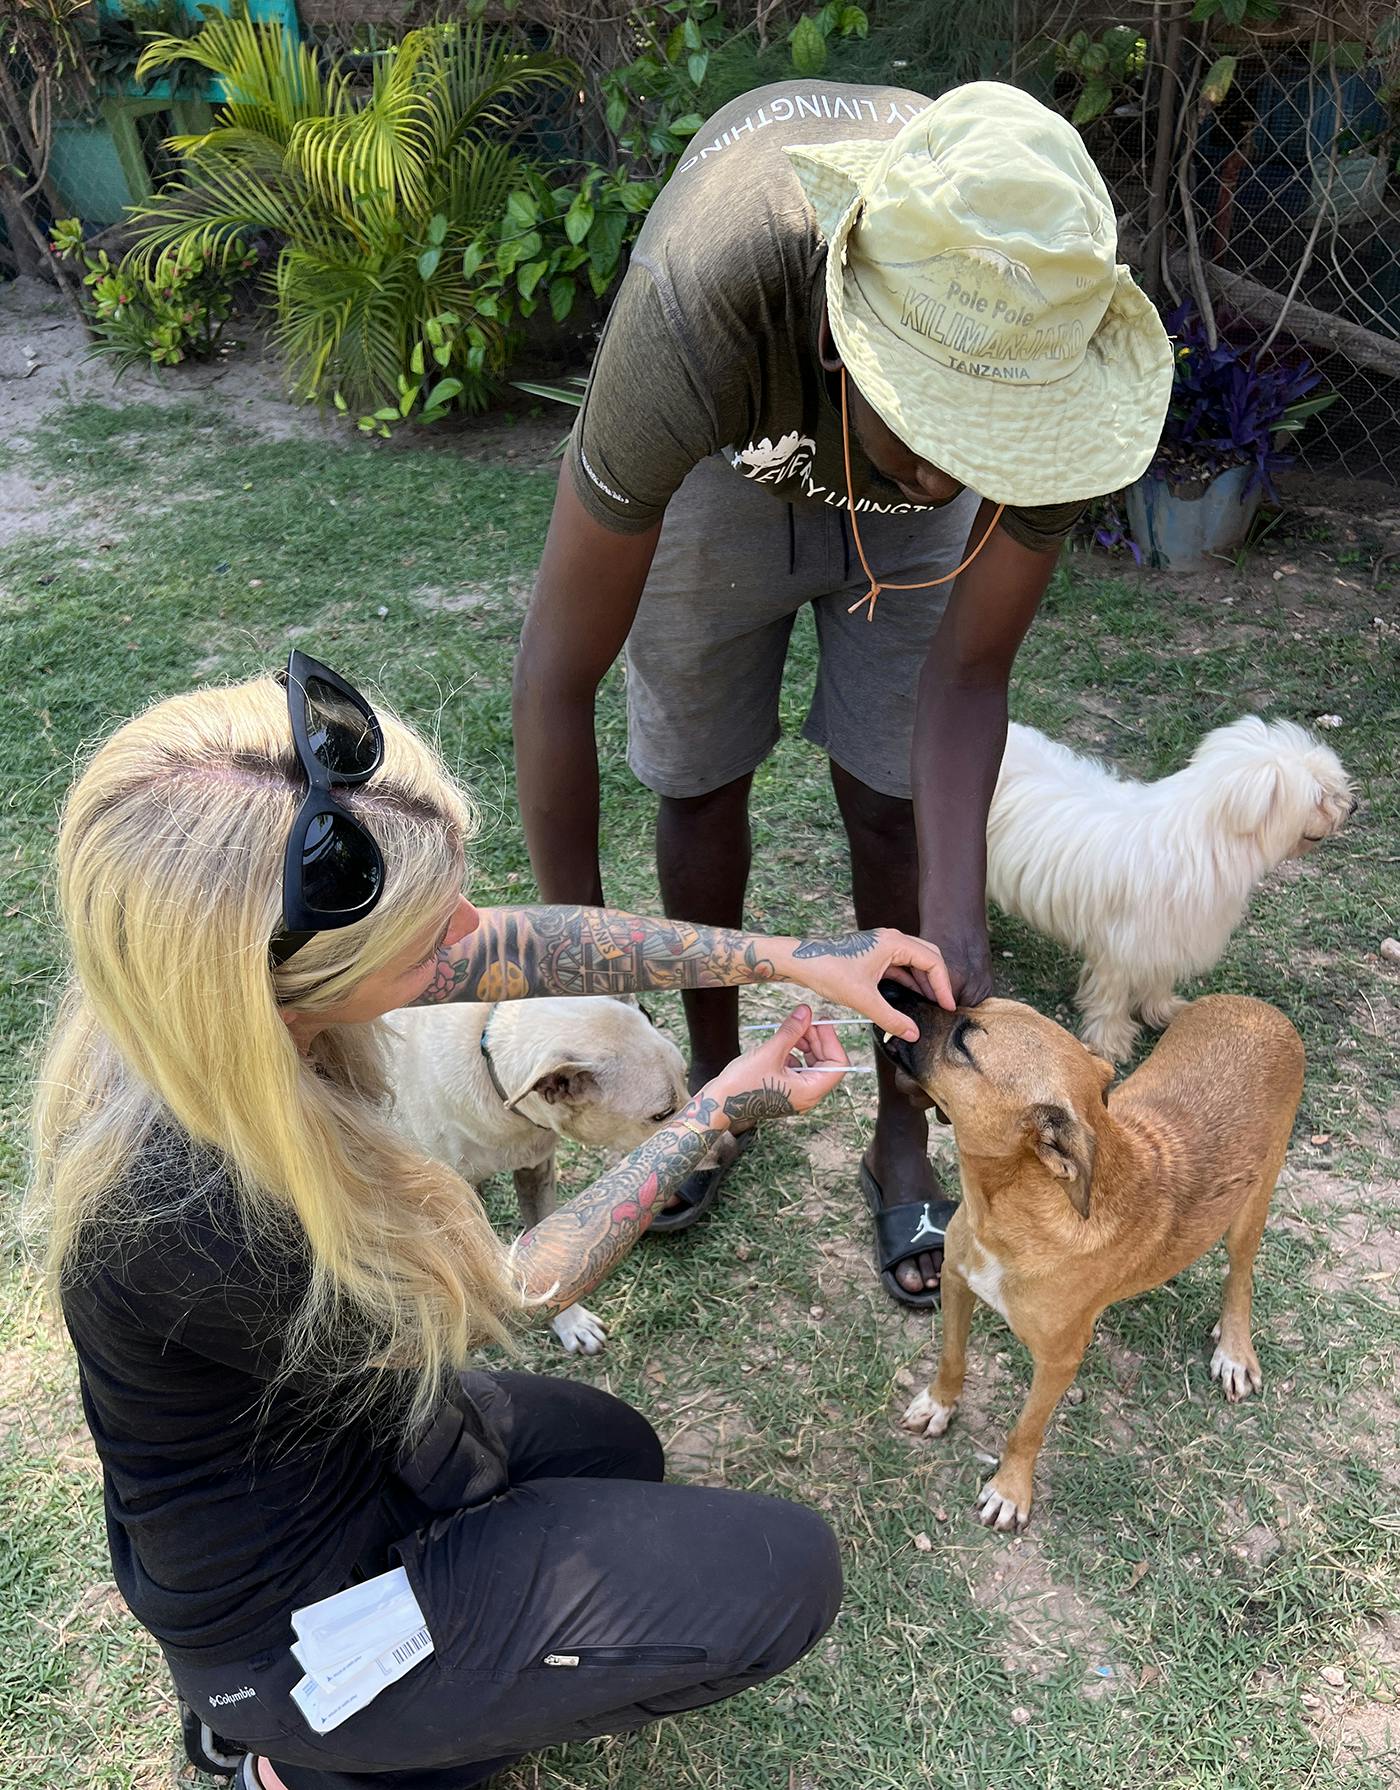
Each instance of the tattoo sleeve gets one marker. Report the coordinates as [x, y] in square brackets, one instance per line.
[591, 950]
[568, 1253]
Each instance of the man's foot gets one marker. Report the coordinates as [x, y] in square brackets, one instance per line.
[897, 1162]
[905, 1231]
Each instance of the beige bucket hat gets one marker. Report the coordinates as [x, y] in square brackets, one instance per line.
[974, 296]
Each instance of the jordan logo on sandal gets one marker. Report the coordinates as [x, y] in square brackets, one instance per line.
[927, 1228]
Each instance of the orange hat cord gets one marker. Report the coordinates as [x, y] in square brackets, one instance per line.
[876, 585]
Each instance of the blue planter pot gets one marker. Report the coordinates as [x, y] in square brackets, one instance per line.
[1186, 532]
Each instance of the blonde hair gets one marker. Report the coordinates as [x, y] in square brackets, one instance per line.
[170, 879]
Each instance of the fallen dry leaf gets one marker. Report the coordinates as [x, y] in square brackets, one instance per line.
[923, 1542]
[1138, 1574]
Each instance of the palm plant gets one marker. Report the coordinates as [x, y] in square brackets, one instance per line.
[383, 208]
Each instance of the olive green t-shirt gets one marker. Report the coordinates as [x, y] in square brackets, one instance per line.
[712, 343]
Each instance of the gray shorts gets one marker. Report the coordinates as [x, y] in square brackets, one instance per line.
[706, 652]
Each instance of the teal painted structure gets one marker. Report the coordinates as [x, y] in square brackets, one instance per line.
[102, 163]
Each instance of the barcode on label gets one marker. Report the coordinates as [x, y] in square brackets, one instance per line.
[420, 1643]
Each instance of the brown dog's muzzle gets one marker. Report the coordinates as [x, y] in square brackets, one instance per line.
[912, 1060]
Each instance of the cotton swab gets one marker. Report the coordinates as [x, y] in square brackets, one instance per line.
[816, 1022]
[833, 1069]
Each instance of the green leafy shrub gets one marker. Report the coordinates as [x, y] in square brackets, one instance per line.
[115, 37]
[164, 310]
[1107, 68]
[387, 211]
[809, 36]
[652, 104]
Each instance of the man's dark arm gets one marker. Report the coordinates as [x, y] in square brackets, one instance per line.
[586, 594]
[959, 737]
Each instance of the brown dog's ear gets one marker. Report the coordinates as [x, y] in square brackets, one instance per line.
[1066, 1147]
[567, 1081]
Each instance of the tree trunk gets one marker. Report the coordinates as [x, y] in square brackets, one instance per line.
[1322, 330]
[23, 251]
[1319, 329]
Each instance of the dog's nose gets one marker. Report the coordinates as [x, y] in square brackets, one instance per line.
[923, 1012]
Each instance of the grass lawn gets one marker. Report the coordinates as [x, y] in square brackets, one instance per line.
[1192, 1570]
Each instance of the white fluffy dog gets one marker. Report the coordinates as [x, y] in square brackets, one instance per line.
[488, 1088]
[1146, 881]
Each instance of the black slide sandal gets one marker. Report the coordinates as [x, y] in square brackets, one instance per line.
[903, 1231]
[698, 1192]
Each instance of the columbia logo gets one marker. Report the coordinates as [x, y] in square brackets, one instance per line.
[224, 1698]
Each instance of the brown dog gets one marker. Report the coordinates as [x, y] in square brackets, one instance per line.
[1073, 1198]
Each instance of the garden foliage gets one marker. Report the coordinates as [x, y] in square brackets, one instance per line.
[386, 211]
[1231, 406]
[171, 309]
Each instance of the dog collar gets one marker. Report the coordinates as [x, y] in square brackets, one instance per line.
[496, 1081]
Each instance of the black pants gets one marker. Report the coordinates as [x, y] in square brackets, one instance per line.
[667, 1597]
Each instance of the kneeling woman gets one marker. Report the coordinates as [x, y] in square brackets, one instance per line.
[275, 1301]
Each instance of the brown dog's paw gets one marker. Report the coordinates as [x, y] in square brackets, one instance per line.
[926, 1417]
[1238, 1370]
[997, 1509]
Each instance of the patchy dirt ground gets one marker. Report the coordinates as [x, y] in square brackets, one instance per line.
[45, 363]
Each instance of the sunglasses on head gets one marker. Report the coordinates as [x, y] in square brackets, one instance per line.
[333, 872]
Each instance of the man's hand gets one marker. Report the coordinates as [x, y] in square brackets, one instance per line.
[968, 957]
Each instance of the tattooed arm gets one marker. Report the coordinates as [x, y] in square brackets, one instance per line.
[568, 1253]
[522, 951]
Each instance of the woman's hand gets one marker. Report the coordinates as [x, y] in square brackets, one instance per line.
[568, 1253]
[849, 969]
[781, 1076]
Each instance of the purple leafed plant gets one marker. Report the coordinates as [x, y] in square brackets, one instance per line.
[1230, 407]
[1111, 530]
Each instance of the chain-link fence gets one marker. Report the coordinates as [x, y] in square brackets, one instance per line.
[1259, 176]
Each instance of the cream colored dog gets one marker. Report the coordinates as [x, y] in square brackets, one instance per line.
[1074, 1198]
[1146, 881]
[490, 1088]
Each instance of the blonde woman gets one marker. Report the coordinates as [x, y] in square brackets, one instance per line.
[275, 1301]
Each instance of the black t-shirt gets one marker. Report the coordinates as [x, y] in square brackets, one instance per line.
[232, 1496]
